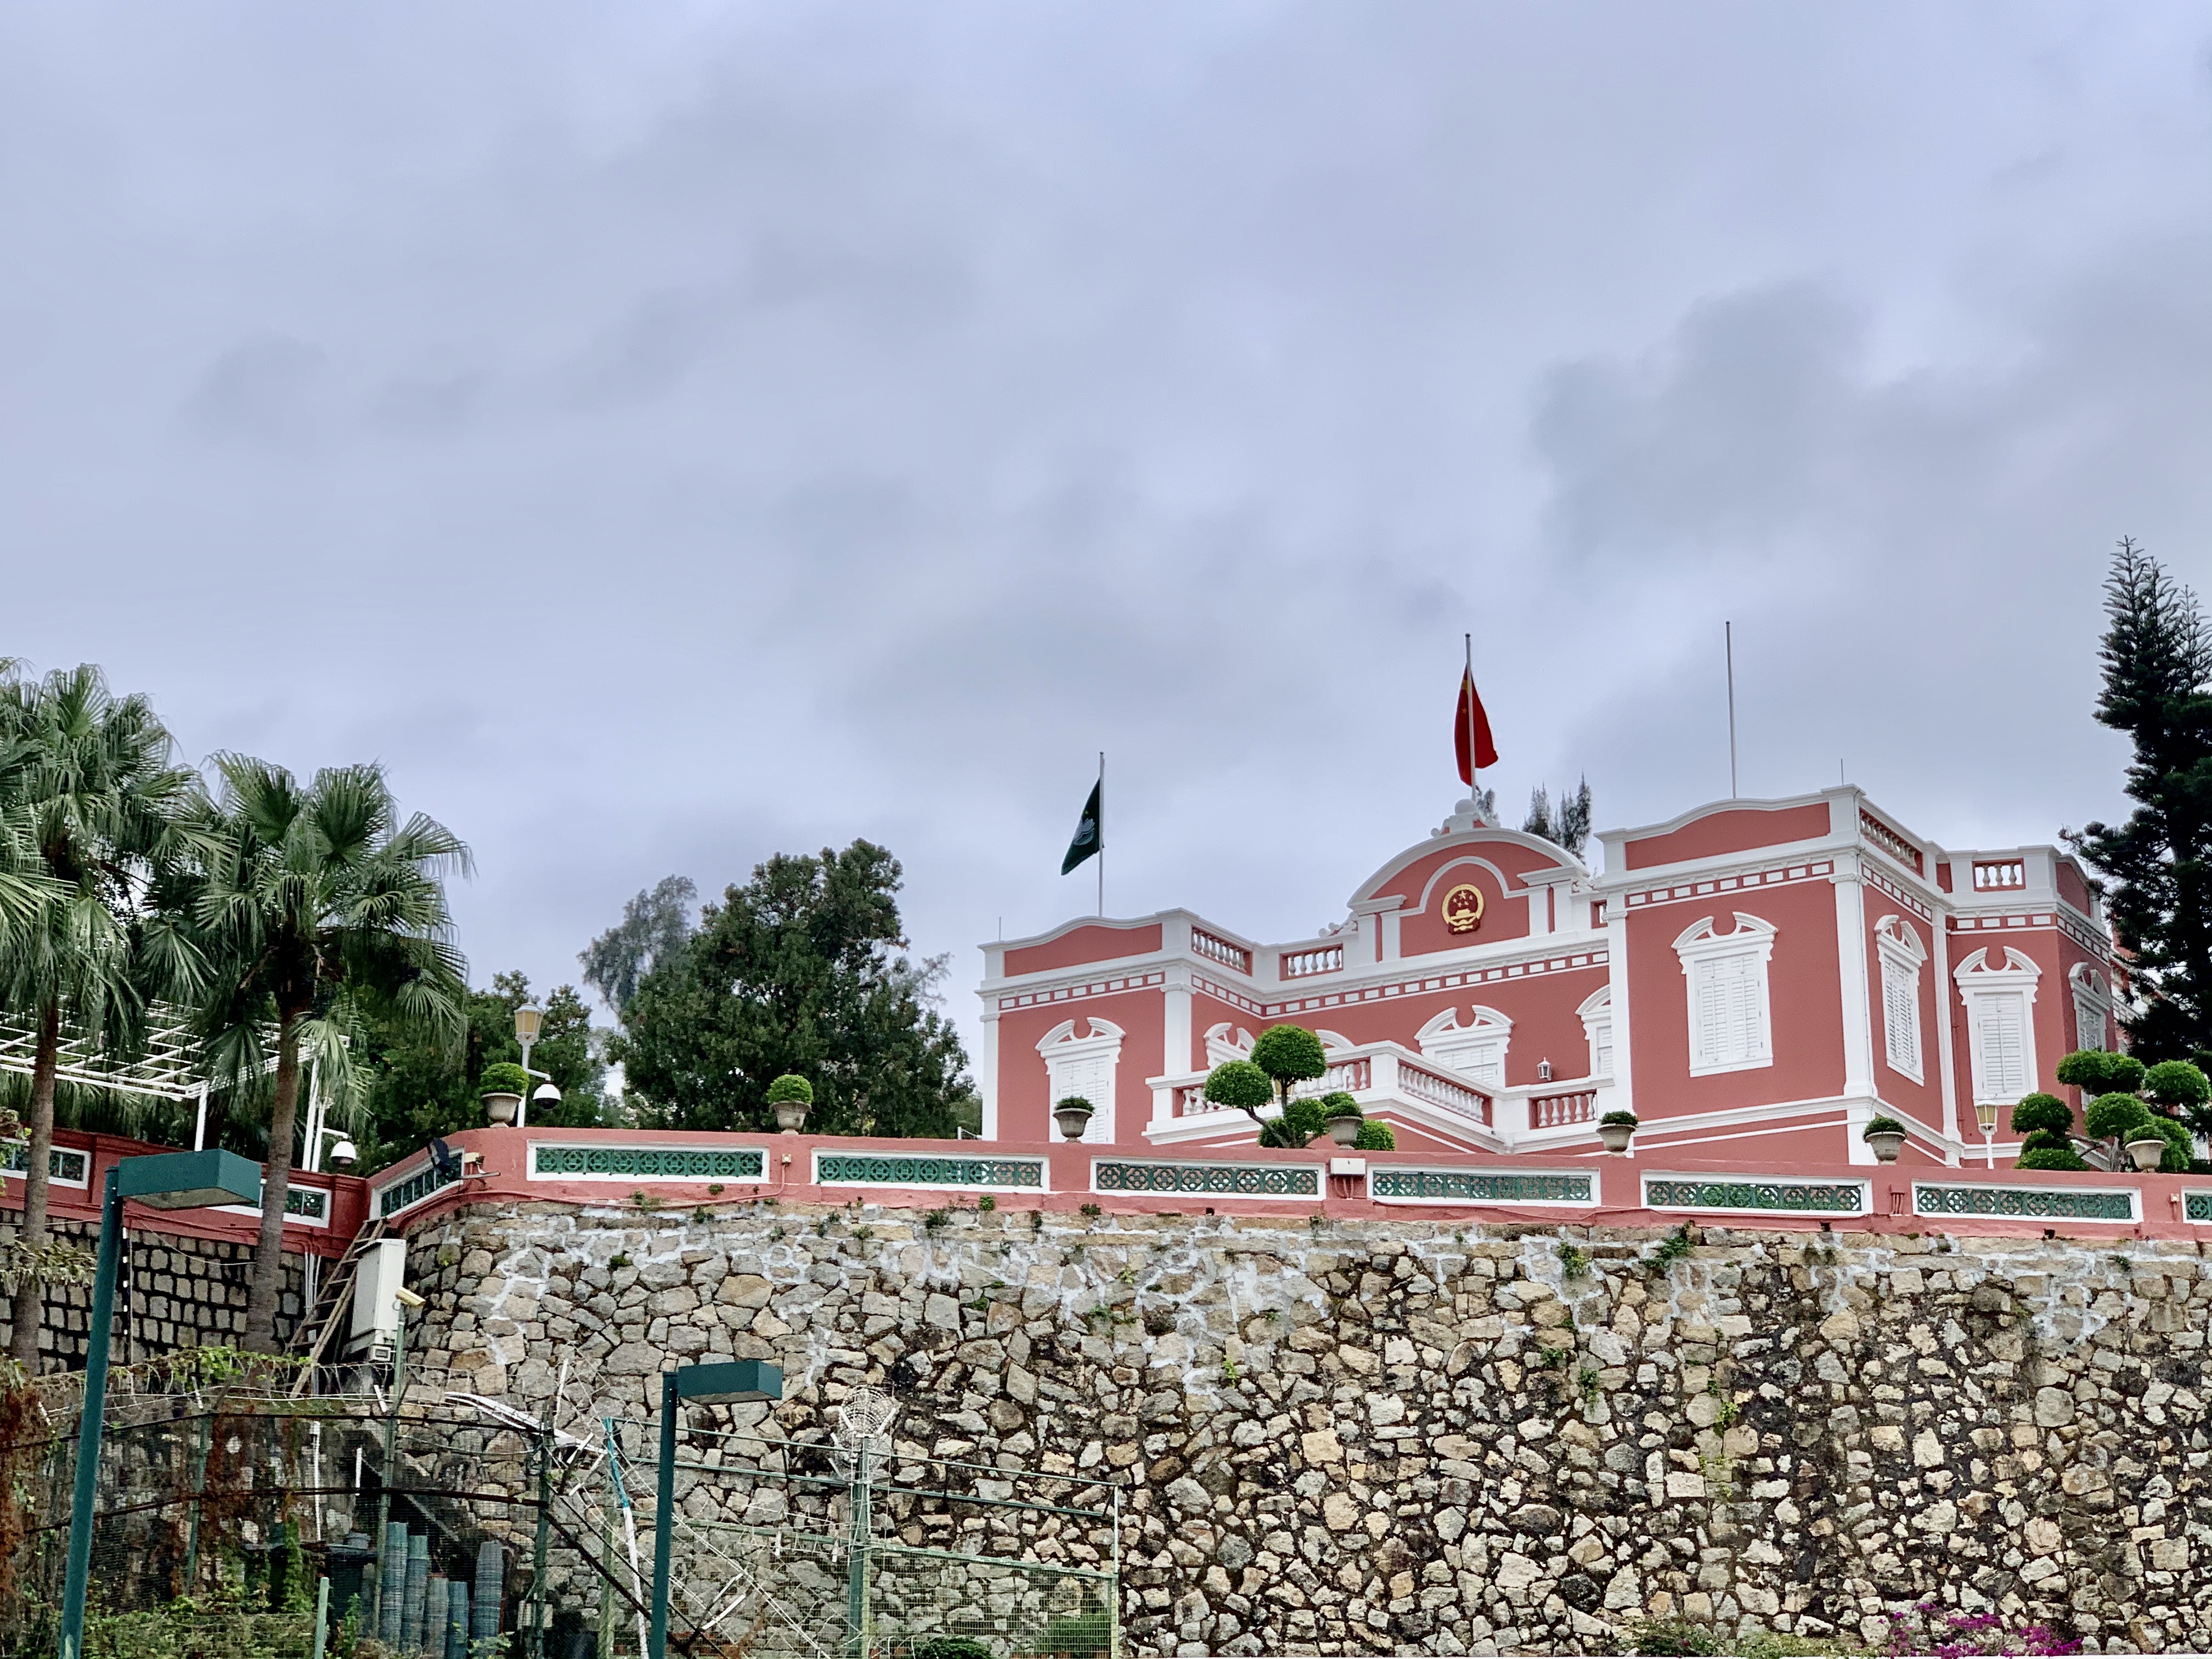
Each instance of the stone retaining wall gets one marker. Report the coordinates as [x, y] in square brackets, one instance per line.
[1407, 1435]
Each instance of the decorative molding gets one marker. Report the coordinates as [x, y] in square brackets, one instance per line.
[2196, 1207]
[1879, 880]
[1208, 1180]
[1596, 1016]
[1689, 891]
[559, 1161]
[1086, 1065]
[1092, 989]
[1731, 1025]
[1771, 1197]
[2030, 1203]
[1476, 1051]
[2000, 1023]
[1901, 957]
[917, 1170]
[1399, 1184]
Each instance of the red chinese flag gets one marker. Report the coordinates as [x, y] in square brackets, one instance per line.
[1471, 735]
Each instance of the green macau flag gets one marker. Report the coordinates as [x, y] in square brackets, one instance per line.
[1091, 832]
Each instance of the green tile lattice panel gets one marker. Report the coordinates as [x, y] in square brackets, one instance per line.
[650, 1162]
[62, 1163]
[1209, 1180]
[866, 1169]
[1785, 1197]
[413, 1190]
[2198, 1206]
[2030, 1203]
[1479, 1187]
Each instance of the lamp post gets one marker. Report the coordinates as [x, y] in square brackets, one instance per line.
[529, 1020]
[720, 1384]
[1986, 1113]
[165, 1180]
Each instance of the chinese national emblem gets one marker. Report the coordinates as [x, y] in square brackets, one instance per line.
[1462, 908]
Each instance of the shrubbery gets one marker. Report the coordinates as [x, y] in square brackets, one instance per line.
[790, 1087]
[505, 1078]
[1375, 1137]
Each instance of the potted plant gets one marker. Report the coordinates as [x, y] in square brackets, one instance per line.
[2120, 1119]
[502, 1087]
[789, 1098]
[2145, 1147]
[1341, 1116]
[1072, 1115]
[1887, 1136]
[1616, 1129]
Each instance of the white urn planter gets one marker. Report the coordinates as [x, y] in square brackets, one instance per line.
[2146, 1153]
[1072, 1121]
[1615, 1137]
[1886, 1144]
[500, 1107]
[790, 1115]
[1345, 1131]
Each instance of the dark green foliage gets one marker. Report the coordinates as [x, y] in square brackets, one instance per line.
[504, 1079]
[2157, 658]
[2046, 1140]
[1339, 1104]
[1881, 1126]
[1078, 1637]
[2094, 1073]
[1628, 1120]
[2050, 1158]
[652, 931]
[789, 1087]
[800, 971]
[1288, 1055]
[417, 1086]
[1375, 1136]
[2176, 1083]
[1240, 1083]
[950, 1647]
[2180, 1145]
[1070, 1103]
[2110, 1116]
[1676, 1638]
[1569, 826]
[2042, 1112]
[1300, 1121]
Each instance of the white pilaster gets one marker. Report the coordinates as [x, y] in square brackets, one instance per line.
[1856, 1008]
[989, 1078]
[1175, 1042]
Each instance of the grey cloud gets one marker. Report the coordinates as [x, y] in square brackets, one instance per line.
[269, 390]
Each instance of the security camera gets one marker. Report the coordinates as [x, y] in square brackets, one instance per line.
[408, 1298]
[547, 1093]
[343, 1155]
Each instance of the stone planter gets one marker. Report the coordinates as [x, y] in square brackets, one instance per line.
[1072, 1121]
[500, 1107]
[1344, 1131]
[790, 1115]
[2146, 1153]
[1886, 1144]
[1615, 1137]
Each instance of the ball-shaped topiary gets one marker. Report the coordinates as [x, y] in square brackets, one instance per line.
[2180, 1145]
[1240, 1083]
[2037, 1112]
[2178, 1084]
[1339, 1104]
[2047, 1157]
[1302, 1119]
[1882, 1126]
[1375, 1136]
[2046, 1140]
[504, 1077]
[1289, 1054]
[790, 1087]
[2114, 1116]
[1073, 1103]
[1619, 1121]
[2094, 1071]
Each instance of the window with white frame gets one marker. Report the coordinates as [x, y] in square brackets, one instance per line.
[2000, 1000]
[1086, 1067]
[1902, 956]
[1597, 1013]
[2092, 1004]
[1731, 1029]
[1477, 1050]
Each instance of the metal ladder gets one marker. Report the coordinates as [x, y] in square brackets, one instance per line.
[311, 1337]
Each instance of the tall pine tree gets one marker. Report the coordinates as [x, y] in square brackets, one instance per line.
[2157, 656]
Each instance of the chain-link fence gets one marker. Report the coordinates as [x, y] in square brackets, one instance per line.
[239, 1515]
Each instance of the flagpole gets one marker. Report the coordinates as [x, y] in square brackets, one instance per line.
[1727, 641]
[1102, 834]
[1473, 763]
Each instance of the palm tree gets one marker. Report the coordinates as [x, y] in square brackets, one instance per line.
[93, 821]
[315, 901]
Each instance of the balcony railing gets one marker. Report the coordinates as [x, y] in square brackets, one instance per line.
[1438, 1090]
[1299, 964]
[1890, 841]
[1221, 950]
[2000, 876]
[1555, 1111]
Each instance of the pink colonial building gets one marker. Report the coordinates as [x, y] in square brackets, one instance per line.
[1754, 980]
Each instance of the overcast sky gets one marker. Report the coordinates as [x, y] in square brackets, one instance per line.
[666, 435]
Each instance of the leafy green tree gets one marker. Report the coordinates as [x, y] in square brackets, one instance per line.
[93, 828]
[1242, 1085]
[1288, 1055]
[2095, 1073]
[653, 929]
[2157, 657]
[2182, 1088]
[800, 971]
[317, 905]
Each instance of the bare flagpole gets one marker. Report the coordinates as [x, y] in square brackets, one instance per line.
[1102, 834]
[1727, 641]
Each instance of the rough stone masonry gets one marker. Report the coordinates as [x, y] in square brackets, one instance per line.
[1408, 1436]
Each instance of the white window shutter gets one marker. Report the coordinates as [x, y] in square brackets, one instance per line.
[2004, 1067]
[1601, 1049]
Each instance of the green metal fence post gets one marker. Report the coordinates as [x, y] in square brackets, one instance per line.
[90, 1420]
[664, 1517]
[322, 1615]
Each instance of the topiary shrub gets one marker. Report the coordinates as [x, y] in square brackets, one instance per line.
[2094, 1071]
[1337, 1105]
[1881, 1126]
[503, 1078]
[2177, 1084]
[1375, 1136]
[2114, 1116]
[2046, 1112]
[1302, 1119]
[1288, 1055]
[789, 1087]
[1621, 1120]
[2046, 1140]
[2050, 1158]
[2180, 1145]
[1239, 1084]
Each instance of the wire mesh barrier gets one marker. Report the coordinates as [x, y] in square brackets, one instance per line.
[236, 1518]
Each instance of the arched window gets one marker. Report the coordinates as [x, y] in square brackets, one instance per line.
[2092, 1005]
[1477, 1050]
[1897, 943]
[2000, 1023]
[1731, 1026]
[1086, 1067]
[1597, 1013]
